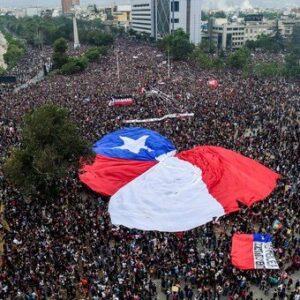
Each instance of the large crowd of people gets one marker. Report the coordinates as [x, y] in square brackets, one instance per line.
[68, 248]
[35, 60]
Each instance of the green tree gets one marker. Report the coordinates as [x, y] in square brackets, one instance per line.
[69, 68]
[99, 38]
[204, 16]
[218, 63]
[93, 54]
[103, 50]
[132, 32]
[294, 44]
[272, 15]
[59, 59]
[220, 14]
[277, 39]
[292, 59]
[82, 62]
[51, 143]
[208, 46]
[268, 69]
[202, 58]
[239, 59]
[251, 45]
[292, 63]
[15, 51]
[59, 55]
[206, 61]
[60, 45]
[177, 44]
[270, 43]
[39, 30]
[74, 65]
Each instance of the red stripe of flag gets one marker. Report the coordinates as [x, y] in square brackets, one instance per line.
[107, 175]
[242, 255]
[231, 177]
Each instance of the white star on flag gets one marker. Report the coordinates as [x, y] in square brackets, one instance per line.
[134, 146]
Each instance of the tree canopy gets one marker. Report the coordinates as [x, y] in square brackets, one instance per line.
[15, 51]
[99, 38]
[93, 54]
[220, 14]
[51, 143]
[74, 65]
[39, 30]
[177, 44]
[292, 59]
[60, 45]
[60, 56]
[207, 61]
[239, 59]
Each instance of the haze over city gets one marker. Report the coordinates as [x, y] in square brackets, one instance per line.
[220, 4]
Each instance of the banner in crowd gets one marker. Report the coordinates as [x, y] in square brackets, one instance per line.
[121, 101]
[213, 84]
[153, 188]
[253, 251]
[8, 79]
[151, 120]
[277, 225]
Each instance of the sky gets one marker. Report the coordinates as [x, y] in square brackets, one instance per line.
[56, 3]
[219, 4]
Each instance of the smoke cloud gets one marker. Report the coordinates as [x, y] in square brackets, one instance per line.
[226, 5]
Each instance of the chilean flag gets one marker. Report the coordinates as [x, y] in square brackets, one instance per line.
[121, 101]
[153, 188]
[253, 251]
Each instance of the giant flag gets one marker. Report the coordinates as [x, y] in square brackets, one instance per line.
[253, 251]
[151, 188]
[122, 156]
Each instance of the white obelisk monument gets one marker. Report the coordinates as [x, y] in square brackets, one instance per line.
[76, 38]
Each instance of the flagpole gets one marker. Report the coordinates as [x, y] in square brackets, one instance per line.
[168, 63]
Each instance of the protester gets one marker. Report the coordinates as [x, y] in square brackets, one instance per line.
[68, 249]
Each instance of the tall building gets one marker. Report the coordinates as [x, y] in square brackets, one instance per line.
[68, 4]
[121, 16]
[233, 34]
[143, 16]
[227, 35]
[162, 18]
[286, 25]
[186, 14]
[158, 17]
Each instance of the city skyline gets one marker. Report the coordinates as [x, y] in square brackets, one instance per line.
[220, 4]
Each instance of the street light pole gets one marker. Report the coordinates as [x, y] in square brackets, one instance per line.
[118, 67]
[169, 63]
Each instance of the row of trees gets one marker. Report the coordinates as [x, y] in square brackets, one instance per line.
[15, 51]
[39, 31]
[68, 65]
[271, 43]
[237, 60]
[276, 44]
[292, 59]
[178, 46]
